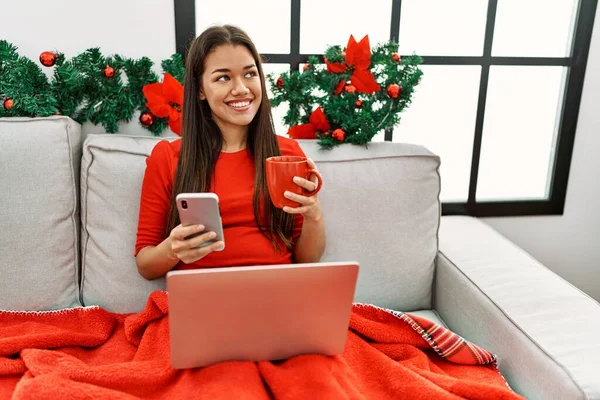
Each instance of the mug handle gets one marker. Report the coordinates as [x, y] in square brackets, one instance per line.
[319, 184]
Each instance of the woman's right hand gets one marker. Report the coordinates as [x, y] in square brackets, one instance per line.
[185, 250]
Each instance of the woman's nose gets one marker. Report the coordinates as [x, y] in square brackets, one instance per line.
[239, 88]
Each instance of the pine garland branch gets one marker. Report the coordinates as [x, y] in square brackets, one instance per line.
[359, 116]
[105, 90]
[25, 84]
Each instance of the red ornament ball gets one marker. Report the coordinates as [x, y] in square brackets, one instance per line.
[8, 103]
[358, 104]
[146, 118]
[339, 134]
[109, 71]
[48, 58]
[350, 88]
[393, 90]
[280, 83]
[306, 67]
[396, 57]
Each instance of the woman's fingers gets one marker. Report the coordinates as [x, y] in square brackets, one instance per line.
[297, 210]
[304, 183]
[181, 232]
[198, 240]
[191, 255]
[298, 198]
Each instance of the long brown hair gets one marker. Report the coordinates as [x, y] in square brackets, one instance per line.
[202, 139]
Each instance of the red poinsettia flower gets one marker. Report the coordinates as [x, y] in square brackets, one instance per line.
[358, 58]
[317, 123]
[166, 100]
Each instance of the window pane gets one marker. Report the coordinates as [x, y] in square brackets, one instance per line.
[442, 118]
[519, 132]
[533, 28]
[246, 16]
[442, 27]
[328, 23]
[280, 111]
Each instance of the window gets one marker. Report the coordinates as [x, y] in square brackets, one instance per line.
[503, 79]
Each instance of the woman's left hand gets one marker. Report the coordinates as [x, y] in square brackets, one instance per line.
[309, 205]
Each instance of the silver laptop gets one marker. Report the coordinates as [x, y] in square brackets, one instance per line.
[260, 312]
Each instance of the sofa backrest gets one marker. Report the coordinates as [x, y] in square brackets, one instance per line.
[39, 213]
[381, 208]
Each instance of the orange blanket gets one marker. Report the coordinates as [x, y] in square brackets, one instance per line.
[84, 353]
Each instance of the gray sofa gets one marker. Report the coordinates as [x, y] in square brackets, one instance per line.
[68, 215]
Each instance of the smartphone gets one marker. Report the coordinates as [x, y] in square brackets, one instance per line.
[201, 209]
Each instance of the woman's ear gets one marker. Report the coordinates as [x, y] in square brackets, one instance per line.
[201, 95]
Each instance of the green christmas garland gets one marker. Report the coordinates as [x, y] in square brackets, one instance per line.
[88, 87]
[357, 93]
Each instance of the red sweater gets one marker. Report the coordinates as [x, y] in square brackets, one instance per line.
[234, 184]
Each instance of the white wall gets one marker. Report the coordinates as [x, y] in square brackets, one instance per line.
[132, 28]
[570, 244]
[567, 244]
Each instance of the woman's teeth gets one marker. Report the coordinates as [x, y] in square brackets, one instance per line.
[240, 104]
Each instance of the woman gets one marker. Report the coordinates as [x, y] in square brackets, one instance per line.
[227, 134]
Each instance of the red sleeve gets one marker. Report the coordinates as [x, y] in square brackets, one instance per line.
[155, 199]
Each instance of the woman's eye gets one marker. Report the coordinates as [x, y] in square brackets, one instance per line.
[223, 78]
[250, 74]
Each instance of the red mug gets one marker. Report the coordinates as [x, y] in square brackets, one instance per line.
[281, 171]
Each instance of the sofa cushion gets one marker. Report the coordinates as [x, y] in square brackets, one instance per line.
[39, 164]
[431, 315]
[380, 204]
[381, 208]
[112, 170]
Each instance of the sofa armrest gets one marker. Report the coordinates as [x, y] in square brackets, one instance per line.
[543, 330]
